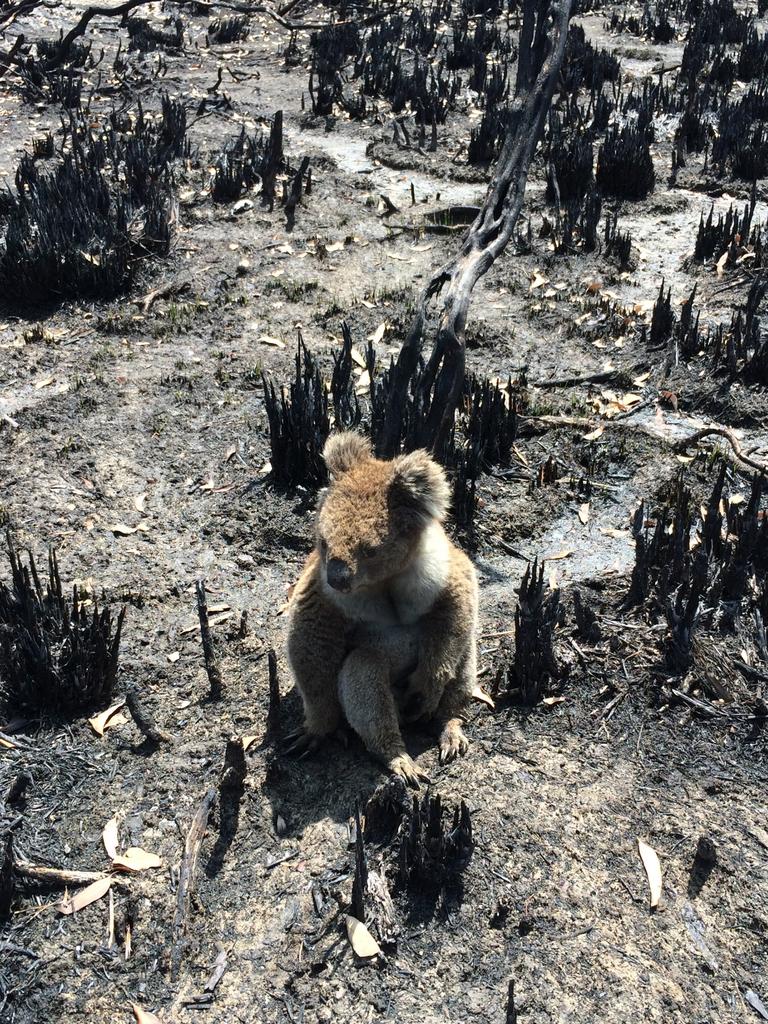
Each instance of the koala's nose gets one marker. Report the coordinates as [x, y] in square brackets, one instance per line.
[339, 574]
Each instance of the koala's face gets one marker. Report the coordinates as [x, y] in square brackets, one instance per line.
[373, 514]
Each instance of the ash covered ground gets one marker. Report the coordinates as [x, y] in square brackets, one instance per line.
[163, 246]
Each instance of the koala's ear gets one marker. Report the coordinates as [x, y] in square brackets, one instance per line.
[343, 451]
[420, 483]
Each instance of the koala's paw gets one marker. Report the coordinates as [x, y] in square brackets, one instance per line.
[408, 770]
[302, 743]
[453, 742]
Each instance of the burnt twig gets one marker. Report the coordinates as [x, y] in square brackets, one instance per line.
[54, 877]
[294, 196]
[209, 651]
[733, 441]
[143, 719]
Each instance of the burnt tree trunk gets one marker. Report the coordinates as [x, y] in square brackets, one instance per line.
[487, 237]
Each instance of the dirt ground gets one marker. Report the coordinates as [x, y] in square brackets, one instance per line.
[134, 440]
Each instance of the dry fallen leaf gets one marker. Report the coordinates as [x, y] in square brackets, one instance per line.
[91, 893]
[173, 657]
[479, 694]
[652, 867]
[549, 701]
[379, 333]
[630, 399]
[139, 502]
[537, 281]
[610, 531]
[334, 247]
[248, 741]
[361, 940]
[397, 256]
[109, 838]
[136, 859]
[104, 721]
[358, 357]
[144, 1016]
[267, 340]
[720, 265]
[639, 381]
[584, 513]
[594, 434]
[565, 553]
[121, 530]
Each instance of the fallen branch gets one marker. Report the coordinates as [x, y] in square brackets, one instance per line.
[486, 239]
[187, 878]
[171, 288]
[733, 441]
[119, 11]
[123, 9]
[54, 877]
[11, 12]
[701, 706]
[585, 423]
[9, 59]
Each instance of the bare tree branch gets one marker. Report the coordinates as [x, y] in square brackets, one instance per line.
[486, 238]
[15, 10]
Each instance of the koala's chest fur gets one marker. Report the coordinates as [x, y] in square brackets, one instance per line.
[405, 598]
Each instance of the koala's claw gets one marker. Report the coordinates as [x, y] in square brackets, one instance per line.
[408, 770]
[301, 744]
[453, 744]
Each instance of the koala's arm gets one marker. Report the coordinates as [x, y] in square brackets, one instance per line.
[316, 651]
[447, 668]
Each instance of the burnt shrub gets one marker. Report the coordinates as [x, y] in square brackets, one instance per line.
[570, 166]
[229, 30]
[624, 164]
[56, 653]
[81, 228]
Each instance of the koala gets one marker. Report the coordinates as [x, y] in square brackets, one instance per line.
[383, 620]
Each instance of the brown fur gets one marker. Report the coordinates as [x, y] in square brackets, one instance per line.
[394, 638]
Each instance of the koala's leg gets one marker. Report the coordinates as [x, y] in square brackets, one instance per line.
[316, 649]
[449, 716]
[369, 706]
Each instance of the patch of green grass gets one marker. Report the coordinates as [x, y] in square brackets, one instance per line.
[294, 291]
[252, 376]
[391, 293]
